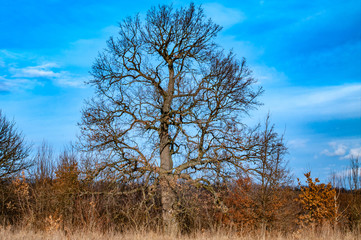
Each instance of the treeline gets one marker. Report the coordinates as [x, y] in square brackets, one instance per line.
[78, 190]
[61, 193]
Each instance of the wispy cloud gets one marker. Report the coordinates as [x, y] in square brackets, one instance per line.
[82, 52]
[266, 75]
[226, 17]
[20, 71]
[341, 101]
[7, 85]
[298, 143]
[329, 97]
[70, 80]
[43, 70]
[5, 54]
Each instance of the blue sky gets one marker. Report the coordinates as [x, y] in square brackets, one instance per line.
[306, 55]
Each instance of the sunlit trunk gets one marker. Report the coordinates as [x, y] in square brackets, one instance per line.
[167, 194]
[170, 223]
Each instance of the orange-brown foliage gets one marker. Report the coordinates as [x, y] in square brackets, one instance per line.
[240, 204]
[318, 202]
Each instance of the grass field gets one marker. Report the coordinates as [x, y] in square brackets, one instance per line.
[324, 234]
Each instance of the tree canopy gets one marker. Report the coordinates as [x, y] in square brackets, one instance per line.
[169, 102]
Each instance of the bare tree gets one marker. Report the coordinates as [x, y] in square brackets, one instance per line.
[43, 170]
[168, 103]
[354, 174]
[268, 166]
[13, 149]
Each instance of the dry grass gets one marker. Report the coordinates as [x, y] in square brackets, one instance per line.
[324, 234]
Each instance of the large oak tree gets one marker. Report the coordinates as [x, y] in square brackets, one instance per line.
[169, 103]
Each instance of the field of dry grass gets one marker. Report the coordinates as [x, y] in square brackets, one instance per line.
[324, 234]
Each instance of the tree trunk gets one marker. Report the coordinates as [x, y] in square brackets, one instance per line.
[166, 181]
[170, 222]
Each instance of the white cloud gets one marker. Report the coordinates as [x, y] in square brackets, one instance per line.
[226, 17]
[337, 150]
[353, 153]
[343, 149]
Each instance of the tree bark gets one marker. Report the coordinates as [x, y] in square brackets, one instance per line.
[170, 223]
[167, 194]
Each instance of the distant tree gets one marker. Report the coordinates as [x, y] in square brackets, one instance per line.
[354, 174]
[67, 185]
[318, 202]
[240, 203]
[42, 190]
[168, 103]
[67, 173]
[13, 149]
[269, 170]
[258, 197]
[43, 170]
[348, 183]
